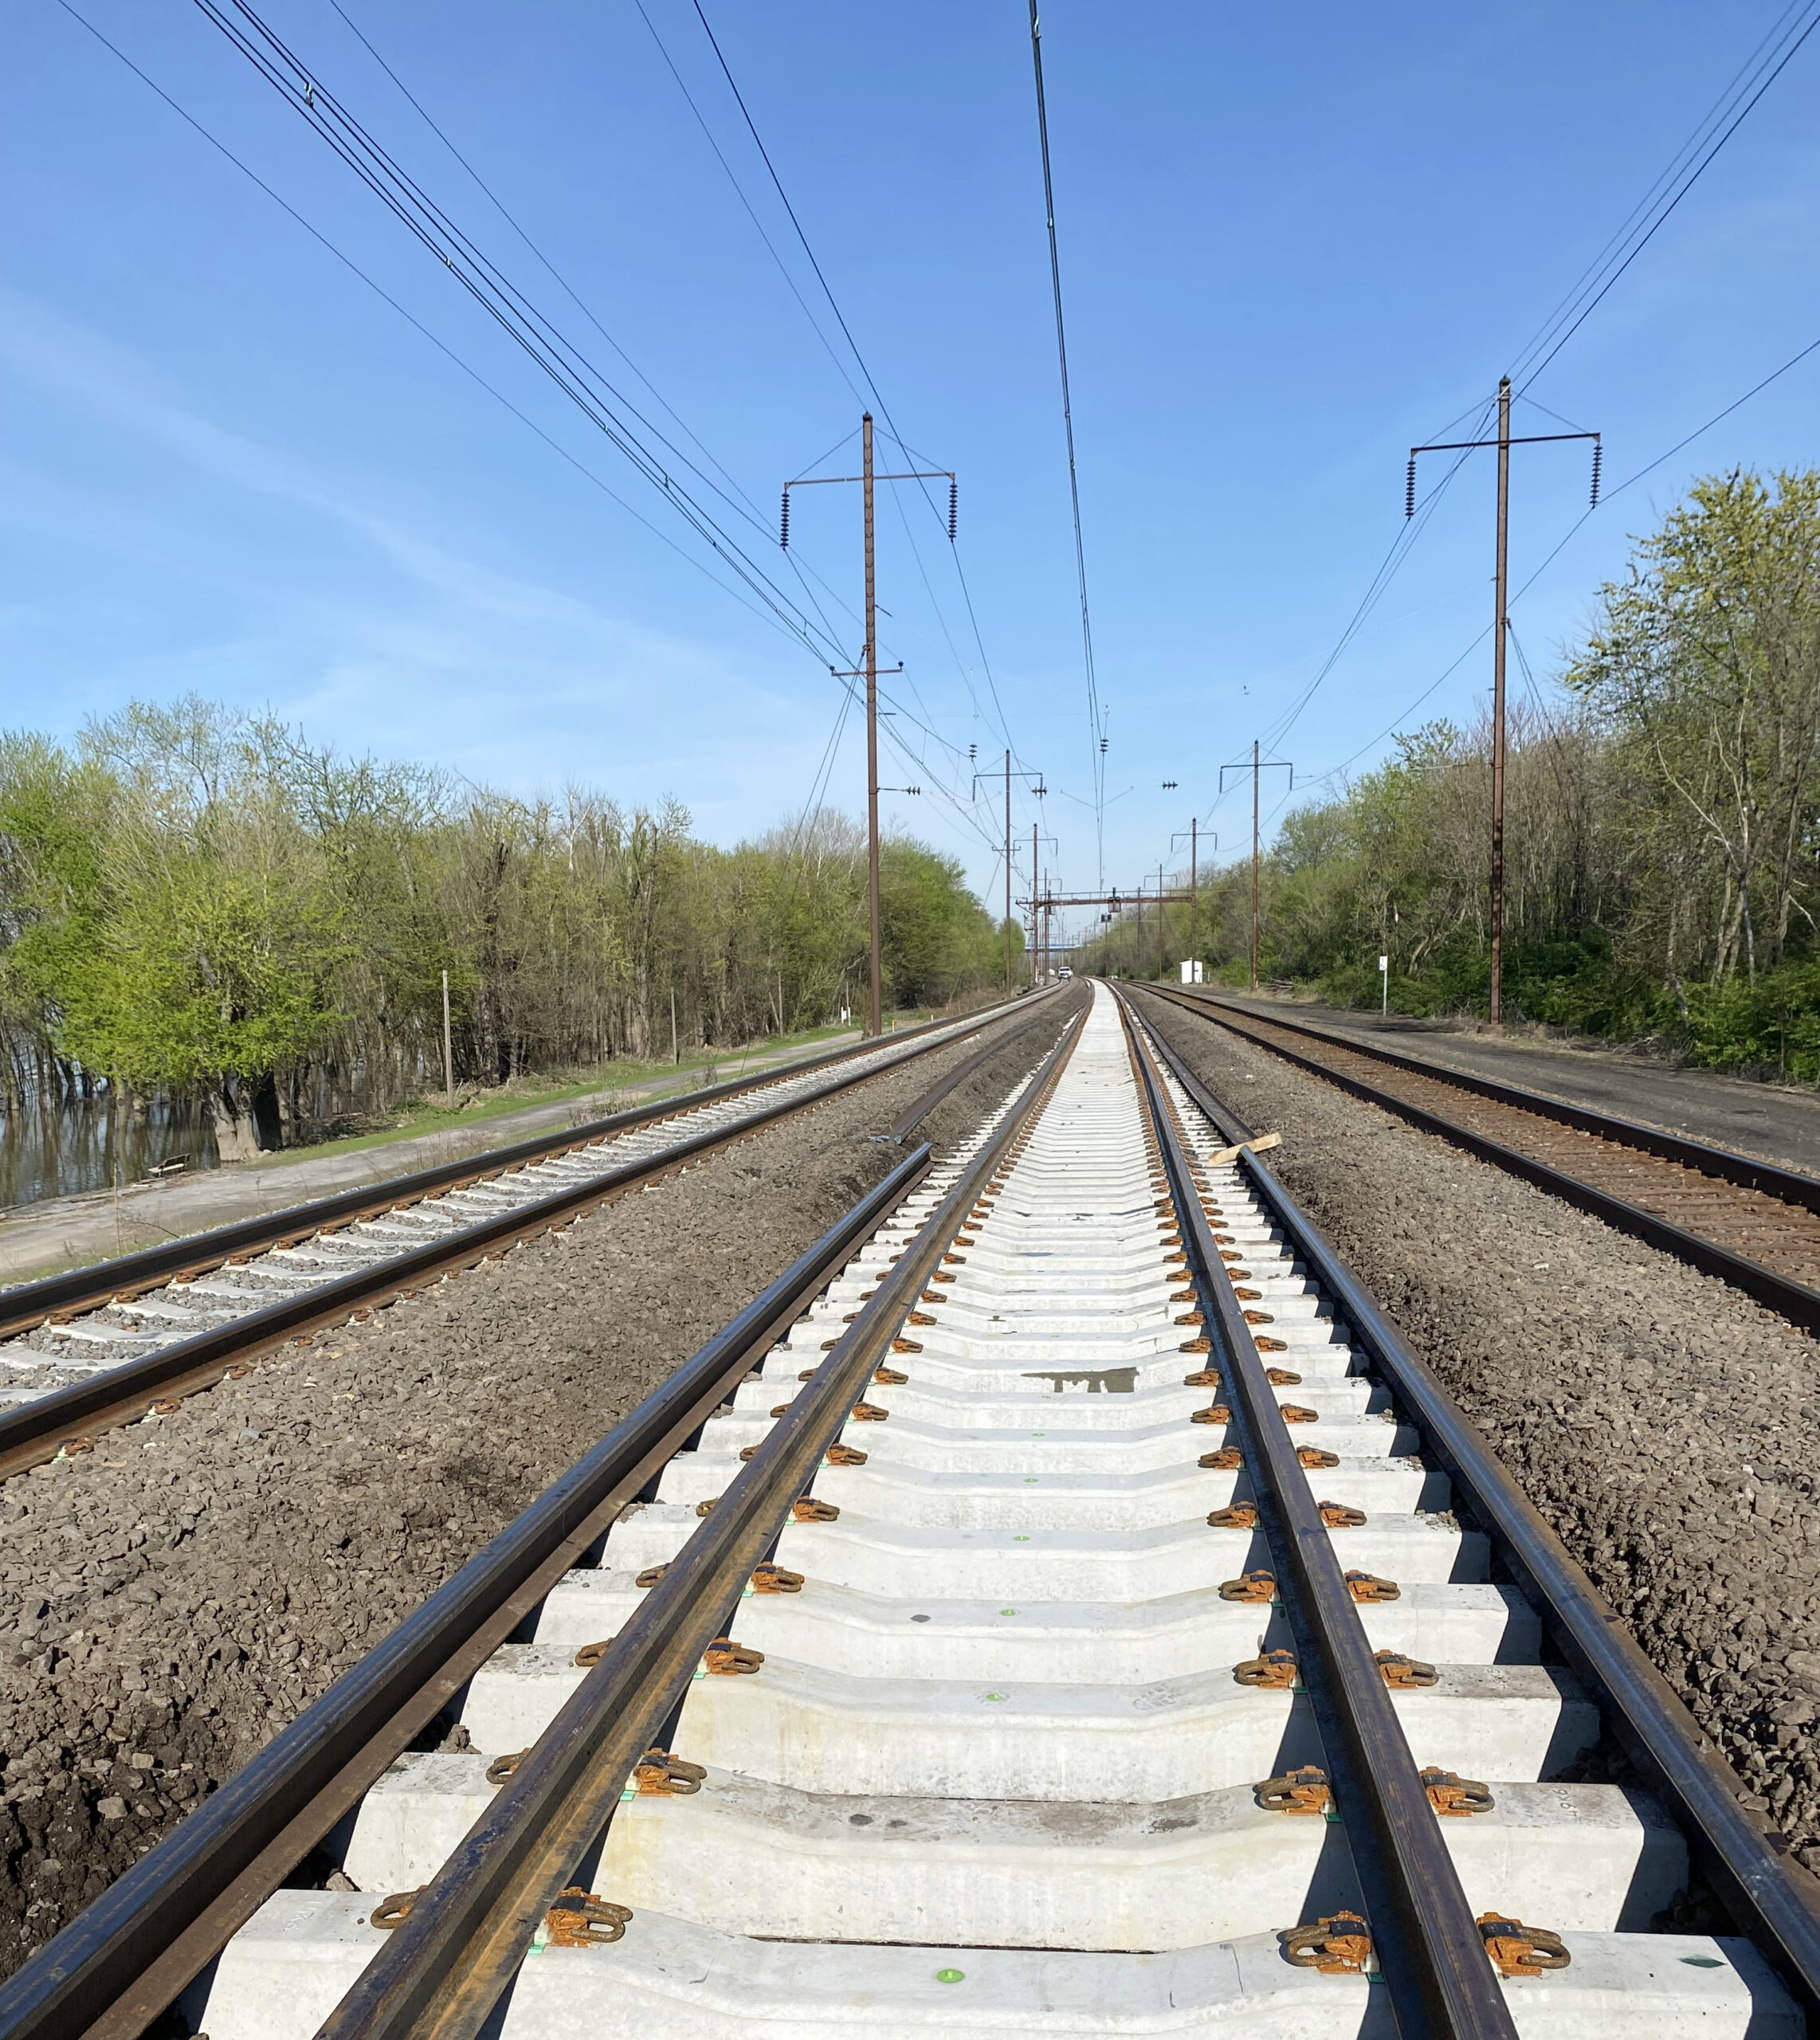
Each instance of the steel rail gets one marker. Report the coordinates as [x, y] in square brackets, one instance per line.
[1797, 1301]
[116, 1967]
[1791, 1186]
[24, 1306]
[38, 1430]
[1426, 1941]
[442, 1972]
[1774, 1900]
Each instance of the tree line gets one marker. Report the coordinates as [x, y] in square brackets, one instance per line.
[1662, 825]
[198, 904]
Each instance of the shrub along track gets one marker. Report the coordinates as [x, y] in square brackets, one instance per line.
[170, 1601]
[1661, 1422]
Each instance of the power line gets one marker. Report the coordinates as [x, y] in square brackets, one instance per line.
[518, 227]
[1073, 478]
[589, 390]
[769, 612]
[1561, 545]
[859, 358]
[441, 346]
[1760, 72]
[1754, 78]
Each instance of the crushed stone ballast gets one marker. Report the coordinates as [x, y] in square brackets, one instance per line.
[133, 1347]
[1008, 1733]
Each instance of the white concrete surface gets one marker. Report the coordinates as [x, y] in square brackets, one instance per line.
[995, 1774]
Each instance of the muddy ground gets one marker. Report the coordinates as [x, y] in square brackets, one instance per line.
[1663, 1423]
[169, 1603]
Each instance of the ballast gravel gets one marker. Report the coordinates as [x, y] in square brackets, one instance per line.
[171, 1603]
[1662, 1422]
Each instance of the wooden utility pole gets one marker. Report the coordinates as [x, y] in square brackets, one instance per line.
[1193, 889]
[1254, 769]
[1503, 581]
[1257, 767]
[1501, 629]
[1036, 895]
[1161, 912]
[448, 1048]
[1008, 987]
[876, 1025]
[870, 671]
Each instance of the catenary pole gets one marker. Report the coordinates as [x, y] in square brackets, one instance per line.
[1254, 772]
[448, 1048]
[1193, 890]
[1500, 631]
[1503, 580]
[1007, 874]
[876, 1026]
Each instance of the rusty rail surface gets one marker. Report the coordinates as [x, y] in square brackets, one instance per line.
[1746, 1862]
[67, 1419]
[115, 1968]
[1771, 1209]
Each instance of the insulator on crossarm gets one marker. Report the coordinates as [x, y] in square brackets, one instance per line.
[1598, 456]
[783, 525]
[954, 506]
[1409, 492]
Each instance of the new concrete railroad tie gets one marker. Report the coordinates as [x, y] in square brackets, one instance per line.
[1014, 1759]
[57, 1354]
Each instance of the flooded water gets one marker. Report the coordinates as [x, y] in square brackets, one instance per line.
[49, 1149]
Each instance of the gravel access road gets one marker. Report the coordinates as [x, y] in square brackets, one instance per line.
[1774, 1122]
[168, 1604]
[1661, 1422]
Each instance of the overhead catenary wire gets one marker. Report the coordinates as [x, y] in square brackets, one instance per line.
[770, 612]
[591, 392]
[1734, 105]
[1094, 731]
[518, 229]
[860, 361]
[441, 346]
[1607, 497]
[1722, 120]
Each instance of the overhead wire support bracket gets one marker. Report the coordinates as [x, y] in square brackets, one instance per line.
[913, 474]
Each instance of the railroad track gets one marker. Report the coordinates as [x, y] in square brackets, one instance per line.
[1752, 1224]
[1059, 1605]
[84, 1352]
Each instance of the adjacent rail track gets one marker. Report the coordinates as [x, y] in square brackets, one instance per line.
[1747, 1221]
[83, 1352]
[1059, 1604]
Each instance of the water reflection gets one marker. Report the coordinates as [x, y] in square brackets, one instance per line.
[52, 1147]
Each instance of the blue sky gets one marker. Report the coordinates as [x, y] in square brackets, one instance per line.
[1293, 241]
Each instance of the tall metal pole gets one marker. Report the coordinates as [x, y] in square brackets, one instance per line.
[1193, 890]
[1035, 892]
[447, 1050]
[1045, 928]
[1007, 874]
[1497, 703]
[877, 1019]
[1161, 959]
[1254, 866]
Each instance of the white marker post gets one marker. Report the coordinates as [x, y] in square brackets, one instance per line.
[1384, 972]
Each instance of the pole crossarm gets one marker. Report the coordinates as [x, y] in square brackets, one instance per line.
[1527, 439]
[916, 474]
[1106, 899]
